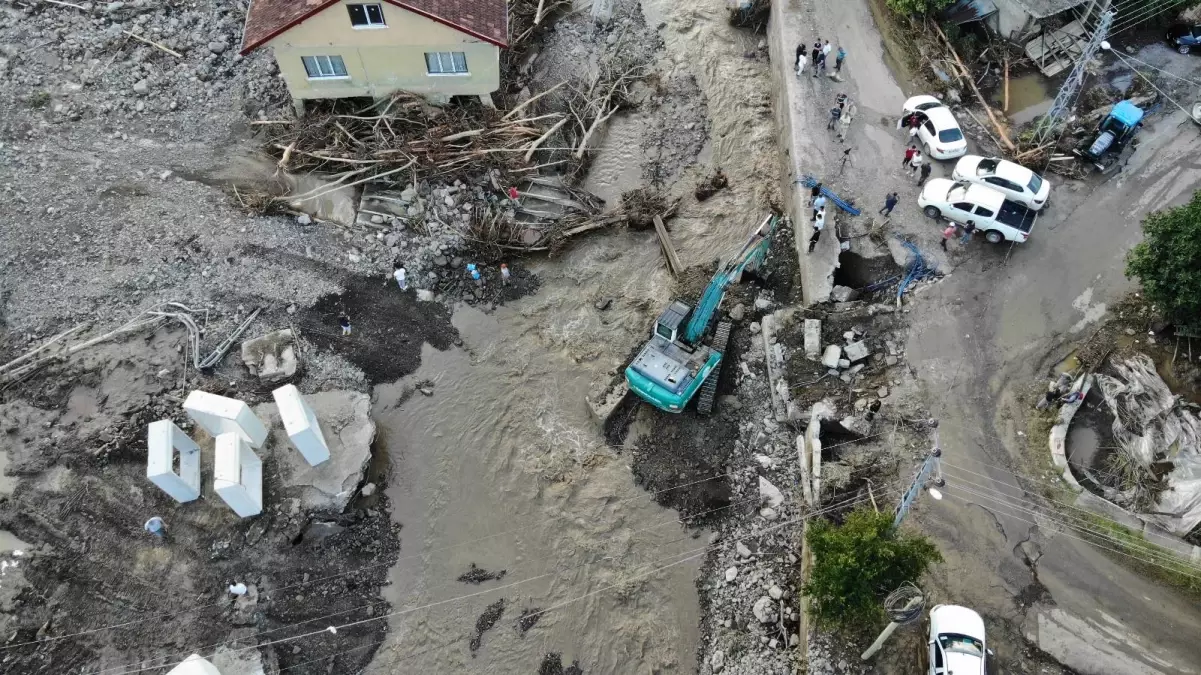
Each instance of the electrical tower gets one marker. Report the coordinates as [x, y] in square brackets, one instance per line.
[1050, 123]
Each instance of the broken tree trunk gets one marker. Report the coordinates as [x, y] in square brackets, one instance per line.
[967, 75]
[669, 251]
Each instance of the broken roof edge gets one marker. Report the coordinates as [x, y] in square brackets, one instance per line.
[1041, 9]
[247, 48]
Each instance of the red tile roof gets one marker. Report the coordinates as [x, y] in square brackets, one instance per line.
[487, 20]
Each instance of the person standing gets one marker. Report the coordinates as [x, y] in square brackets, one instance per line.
[835, 113]
[398, 273]
[844, 122]
[344, 322]
[815, 192]
[890, 202]
[915, 162]
[839, 58]
[801, 59]
[819, 203]
[504, 274]
[947, 234]
[826, 48]
[819, 224]
[816, 55]
[968, 229]
[909, 151]
[925, 173]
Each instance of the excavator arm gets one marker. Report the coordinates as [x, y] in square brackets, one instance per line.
[750, 256]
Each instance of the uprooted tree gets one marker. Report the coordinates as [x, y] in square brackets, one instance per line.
[1167, 262]
[917, 7]
[857, 563]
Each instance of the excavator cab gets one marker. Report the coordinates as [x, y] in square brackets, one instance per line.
[667, 326]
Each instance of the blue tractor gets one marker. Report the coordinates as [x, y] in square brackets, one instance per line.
[676, 363]
[1115, 141]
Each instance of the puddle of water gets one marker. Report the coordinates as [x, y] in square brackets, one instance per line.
[1082, 445]
[1069, 364]
[10, 544]
[1029, 97]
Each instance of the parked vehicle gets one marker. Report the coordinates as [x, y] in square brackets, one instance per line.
[998, 218]
[939, 132]
[956, 641]
[1184, 37]
[1014, 181]
[1115, 140]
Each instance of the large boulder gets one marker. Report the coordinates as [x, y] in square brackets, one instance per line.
[272, 357]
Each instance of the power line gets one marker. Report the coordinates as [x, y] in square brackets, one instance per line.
[357, 570]
[691, 555]
[1146, 548]
[1066, 528]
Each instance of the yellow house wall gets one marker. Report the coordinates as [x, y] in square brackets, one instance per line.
[380, 61]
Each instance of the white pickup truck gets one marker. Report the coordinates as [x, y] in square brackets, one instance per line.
[1000, 219]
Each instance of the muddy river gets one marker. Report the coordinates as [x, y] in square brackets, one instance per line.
[502, 467]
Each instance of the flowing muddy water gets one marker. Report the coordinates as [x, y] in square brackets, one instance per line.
[501, 466]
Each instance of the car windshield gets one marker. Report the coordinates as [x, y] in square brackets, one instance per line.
[961, 644]
[950, 135]
[1036, 183]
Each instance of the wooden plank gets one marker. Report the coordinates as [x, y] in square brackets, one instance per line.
[669, 251]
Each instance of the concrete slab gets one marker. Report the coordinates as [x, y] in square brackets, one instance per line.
[856, 351]
[271, 357]
[165, 442]
[301, 423]
[219, 415]
[238, 475]
[348, 430]
[195, 665]
[813, 338]
[831, 356]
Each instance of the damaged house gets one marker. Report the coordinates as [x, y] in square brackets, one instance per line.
[339, 49]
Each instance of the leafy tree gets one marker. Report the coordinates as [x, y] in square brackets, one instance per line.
[1168, 261]
[914, 7]
[858, 563]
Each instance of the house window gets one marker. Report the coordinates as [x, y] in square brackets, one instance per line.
[366, 16]
[319, 67]
[446, 63]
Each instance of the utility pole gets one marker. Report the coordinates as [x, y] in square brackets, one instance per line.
[1048, 126]
[930, 466]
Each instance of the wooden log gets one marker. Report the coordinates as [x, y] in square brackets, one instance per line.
[152, 43]
[1005, 102]
[669, 251]
[967, 75]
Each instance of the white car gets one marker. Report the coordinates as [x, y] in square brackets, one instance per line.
[1012, 180]
[956, 641]
[939, 132]
[998, 218]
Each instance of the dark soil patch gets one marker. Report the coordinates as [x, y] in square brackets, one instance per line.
[389, 326]
[858, 272]
[478, 575]
[457, 282]
[528, 619]
[552, 664]
[485, 623]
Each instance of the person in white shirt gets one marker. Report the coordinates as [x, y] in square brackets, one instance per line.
[819, 224]
[398, 273]
[916, 162]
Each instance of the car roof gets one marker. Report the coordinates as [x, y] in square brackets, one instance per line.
[1013, 172]
[913, 102]
[956, 619]
[942, 118]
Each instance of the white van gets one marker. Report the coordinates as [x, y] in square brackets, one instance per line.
[961, 202]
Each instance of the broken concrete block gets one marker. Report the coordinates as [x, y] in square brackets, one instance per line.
[770, 494]
[173, 461]
[238, 475]
[842, 294]
[813, 338]
[764, 610]
[194, 665]
[301, 424]
[831, 356]
[219, 415]
[844, 363]
[856, 425]
[348, 431]
[272, 357]
[856, 351]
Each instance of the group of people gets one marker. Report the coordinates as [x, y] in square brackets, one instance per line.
[820, 55]
[817, 200]
[916, 164]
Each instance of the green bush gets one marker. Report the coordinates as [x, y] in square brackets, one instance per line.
[1167, 262]
[857, 564]
[913, 7]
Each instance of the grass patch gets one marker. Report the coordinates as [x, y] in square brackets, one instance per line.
[39, 99]
[1176, 572]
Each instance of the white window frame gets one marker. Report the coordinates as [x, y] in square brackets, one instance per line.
[329, 63]
[369, 25]
[443, 59]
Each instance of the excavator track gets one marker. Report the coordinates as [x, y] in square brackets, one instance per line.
[708, 392]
